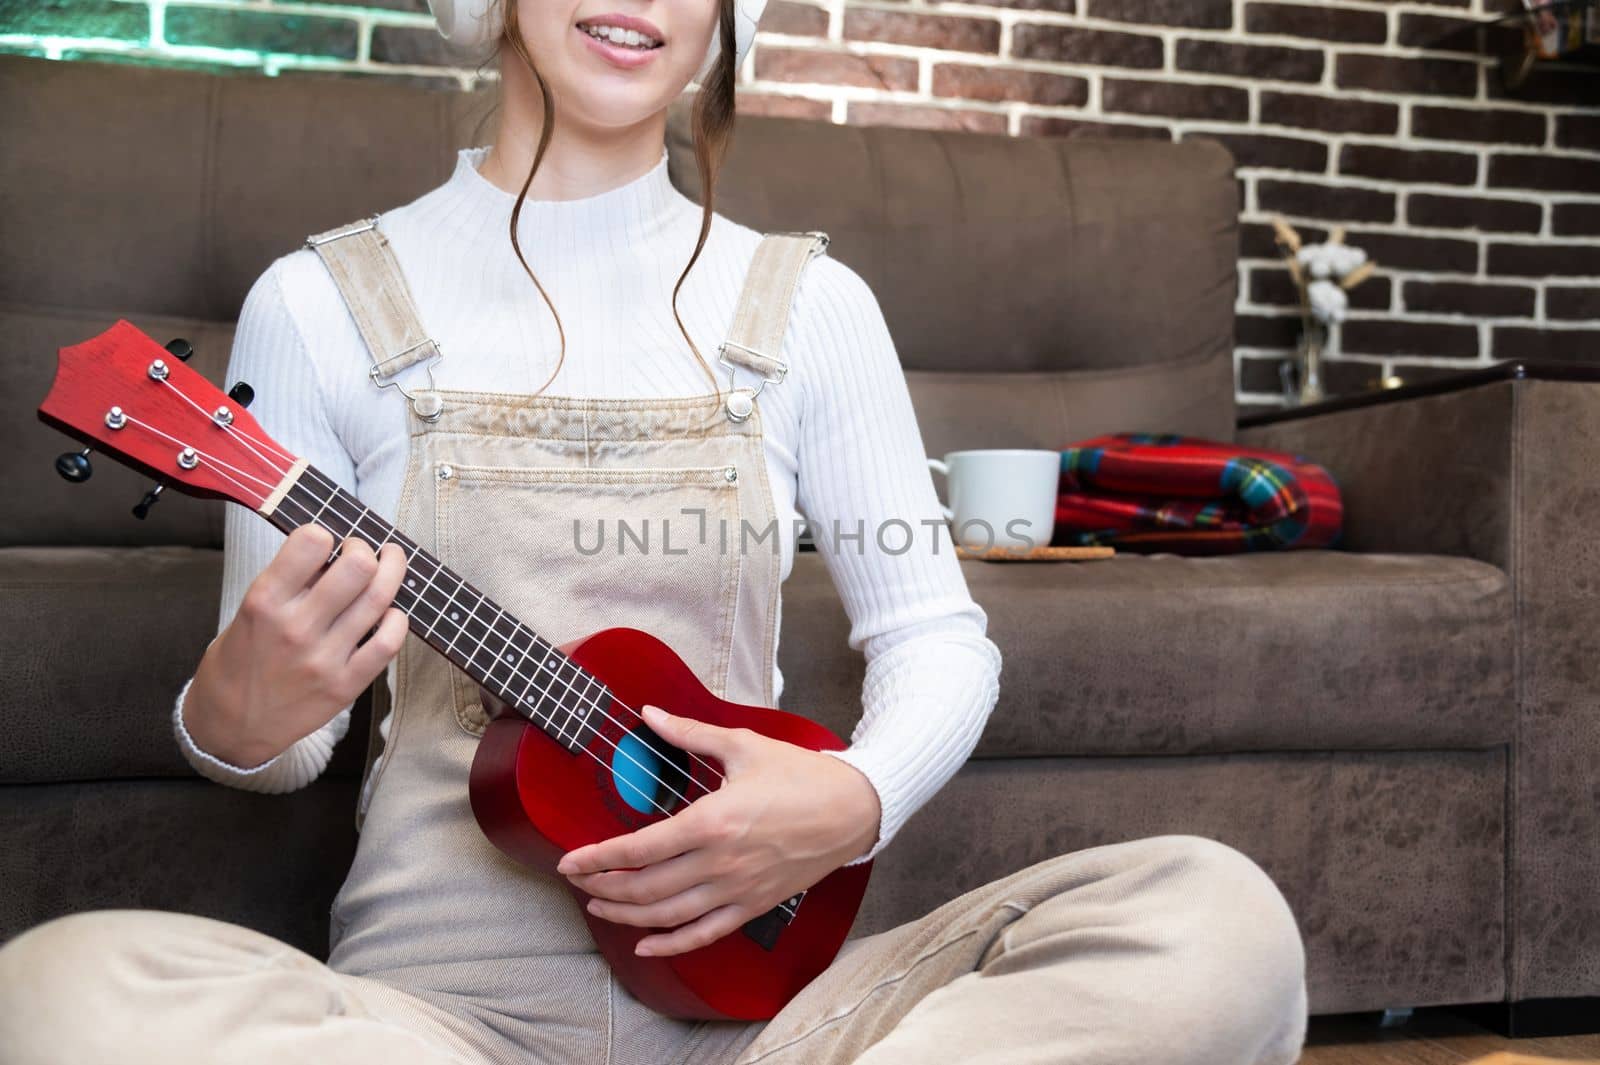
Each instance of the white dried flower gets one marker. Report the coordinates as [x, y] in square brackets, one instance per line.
[1328, 301]
[1323, 261]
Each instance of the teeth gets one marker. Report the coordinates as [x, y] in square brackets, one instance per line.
[618, 35]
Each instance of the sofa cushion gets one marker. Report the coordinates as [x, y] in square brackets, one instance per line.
[95, 643]
[1161, 654]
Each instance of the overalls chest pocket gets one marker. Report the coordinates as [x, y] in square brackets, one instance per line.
[572, 549]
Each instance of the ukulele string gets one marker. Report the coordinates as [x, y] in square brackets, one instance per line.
[518, 673]
[333, 489]
[333, 496]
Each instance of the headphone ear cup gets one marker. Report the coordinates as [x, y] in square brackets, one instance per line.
[468, 25]
[746, 13]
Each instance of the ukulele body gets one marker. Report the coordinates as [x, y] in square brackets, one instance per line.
[536, 798]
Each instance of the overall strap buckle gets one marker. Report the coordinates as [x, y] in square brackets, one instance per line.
[369, 278]
[761, 317]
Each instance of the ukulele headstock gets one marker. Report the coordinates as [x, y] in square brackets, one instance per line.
[126, 395]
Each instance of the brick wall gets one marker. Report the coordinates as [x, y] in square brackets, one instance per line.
[1386, 116]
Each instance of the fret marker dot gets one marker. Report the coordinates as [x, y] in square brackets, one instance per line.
[454, 616]
[412, 583]
[510, 657]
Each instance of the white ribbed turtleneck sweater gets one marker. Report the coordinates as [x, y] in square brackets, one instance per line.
[842, 442]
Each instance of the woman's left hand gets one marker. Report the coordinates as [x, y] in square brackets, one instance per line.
[783, 818]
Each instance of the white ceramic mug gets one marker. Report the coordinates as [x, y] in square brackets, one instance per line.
[1001, 497]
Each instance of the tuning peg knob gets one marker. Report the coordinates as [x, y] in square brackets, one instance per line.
[74, 465]
[181, 348]
[141, 509]
[242, 394]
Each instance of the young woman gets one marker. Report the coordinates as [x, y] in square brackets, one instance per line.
[506, 424]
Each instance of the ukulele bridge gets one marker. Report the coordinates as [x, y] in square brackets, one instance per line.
[765, 930]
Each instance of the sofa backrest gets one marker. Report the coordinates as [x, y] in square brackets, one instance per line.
[1038, 290]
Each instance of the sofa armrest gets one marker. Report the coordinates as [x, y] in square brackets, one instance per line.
[1501, 465]
[1420, 469]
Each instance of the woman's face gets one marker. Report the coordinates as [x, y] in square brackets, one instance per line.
[608, 84]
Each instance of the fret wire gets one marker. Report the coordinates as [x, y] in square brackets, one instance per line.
[487, 629]
[540, 651]
[413, 551]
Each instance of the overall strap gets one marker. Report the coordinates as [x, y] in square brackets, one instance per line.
[761, 318]
[368, 275]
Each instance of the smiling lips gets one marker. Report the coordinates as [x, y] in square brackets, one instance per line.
[622, 31]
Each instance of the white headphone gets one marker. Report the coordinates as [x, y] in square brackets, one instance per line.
[467, 26]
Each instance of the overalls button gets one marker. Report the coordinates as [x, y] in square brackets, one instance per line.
[740, 404]
[445, 472]
[731, 474]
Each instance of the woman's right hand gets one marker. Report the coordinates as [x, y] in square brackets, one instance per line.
[293, 656]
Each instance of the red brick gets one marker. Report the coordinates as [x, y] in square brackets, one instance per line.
[1473, 212]
[1477, 124]
[1463, 297]
[1058, 126]
[1334, 114]
[1250, 60]
[802, 20]
[1202, 14]
[949, 33]
[1320, 22]
[1335, 203]
[1578, 131]
[1256, 149]
[751, 102]
[1550, 345]
[1408, 164]
[1001, 83]
[1074, 44]
[1398, 74]
[1398, 251]
[1385, 336]
[1545, 260]
[836, 68]
[1571, 303]
[1555, 173]
[873, 113]
[1572, 86]
[1576, 220]
[1175, 99]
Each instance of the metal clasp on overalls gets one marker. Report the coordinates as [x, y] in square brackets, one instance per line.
[741, 402]
[427, 405]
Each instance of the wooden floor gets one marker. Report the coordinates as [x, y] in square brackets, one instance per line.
[1429, 1038]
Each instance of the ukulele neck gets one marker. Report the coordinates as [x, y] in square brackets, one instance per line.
[510, 660]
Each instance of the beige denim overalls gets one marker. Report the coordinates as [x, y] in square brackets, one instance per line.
[575, 515]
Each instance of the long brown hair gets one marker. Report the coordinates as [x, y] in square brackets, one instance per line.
[713, 120]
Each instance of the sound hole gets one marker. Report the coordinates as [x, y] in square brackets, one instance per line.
[649, 773]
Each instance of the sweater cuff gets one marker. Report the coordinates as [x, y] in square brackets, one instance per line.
[207, 764]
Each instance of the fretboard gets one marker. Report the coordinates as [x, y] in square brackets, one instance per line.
[516, 664]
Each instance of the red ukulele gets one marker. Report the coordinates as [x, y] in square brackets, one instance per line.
[566, 760]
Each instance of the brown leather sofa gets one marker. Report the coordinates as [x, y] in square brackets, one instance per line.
[1370, 725]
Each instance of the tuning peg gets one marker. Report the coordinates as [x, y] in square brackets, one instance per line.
[74, 465]
[141, 509]
[181, 348]
[242, 394]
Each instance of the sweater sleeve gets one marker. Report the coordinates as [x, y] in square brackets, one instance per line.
[269, 352]
[932, 674]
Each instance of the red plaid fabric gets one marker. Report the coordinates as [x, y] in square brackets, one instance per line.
[1163, 492]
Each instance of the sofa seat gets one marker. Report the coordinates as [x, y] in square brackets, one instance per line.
[1243, 653]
